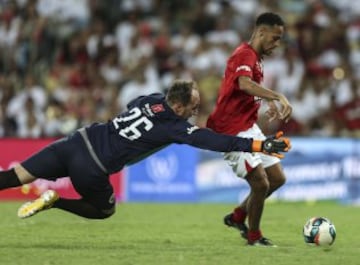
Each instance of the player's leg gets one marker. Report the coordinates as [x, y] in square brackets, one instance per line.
[18, 176]
[46, 164]
[243, 164]
[259, 185]
[276, 177]
[98, 200]
[81, 207]
[270, 169]
[15, 177]
[92, 183]
[88, 179]
[237, 218]
[84, 208]
[250, 167]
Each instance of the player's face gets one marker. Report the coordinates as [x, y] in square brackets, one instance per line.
[192, 108]
[272, 39]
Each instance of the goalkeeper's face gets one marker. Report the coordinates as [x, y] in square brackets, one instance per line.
[272, 37]
[192, 108]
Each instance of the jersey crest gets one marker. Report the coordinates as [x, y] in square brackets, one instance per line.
[157, 108]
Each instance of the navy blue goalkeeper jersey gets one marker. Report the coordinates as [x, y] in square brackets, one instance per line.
[148, 125]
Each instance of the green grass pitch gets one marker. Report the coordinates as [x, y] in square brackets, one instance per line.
[189, 234]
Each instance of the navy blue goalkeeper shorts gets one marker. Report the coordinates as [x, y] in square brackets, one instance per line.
[69, 156]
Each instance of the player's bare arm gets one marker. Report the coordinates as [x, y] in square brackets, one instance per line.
[254, 89]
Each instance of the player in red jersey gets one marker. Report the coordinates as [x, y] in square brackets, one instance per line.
[236, 113]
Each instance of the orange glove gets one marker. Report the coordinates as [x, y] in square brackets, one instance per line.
[272, 145]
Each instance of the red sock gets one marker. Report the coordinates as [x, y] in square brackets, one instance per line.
[239, 215]
[254, 235]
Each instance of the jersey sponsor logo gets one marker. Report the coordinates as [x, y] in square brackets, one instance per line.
[244, 68]
[157, 108]
[192, 129]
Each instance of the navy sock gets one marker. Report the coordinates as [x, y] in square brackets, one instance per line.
[9, 179]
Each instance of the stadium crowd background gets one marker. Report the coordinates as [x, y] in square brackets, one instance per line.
[65, 64]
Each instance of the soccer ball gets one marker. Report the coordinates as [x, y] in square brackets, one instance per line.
[319, 231]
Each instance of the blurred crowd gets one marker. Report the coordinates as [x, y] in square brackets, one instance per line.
[67, 63]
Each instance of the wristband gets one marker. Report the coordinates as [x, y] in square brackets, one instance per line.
[257, 146]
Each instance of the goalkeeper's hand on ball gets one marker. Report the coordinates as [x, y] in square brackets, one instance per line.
[272, 145]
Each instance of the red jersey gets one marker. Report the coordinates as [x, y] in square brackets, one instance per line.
[236, 110]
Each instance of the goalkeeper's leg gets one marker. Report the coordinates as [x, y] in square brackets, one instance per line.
[84, 209]
[15, 177]
[50, 199]
[9, 179]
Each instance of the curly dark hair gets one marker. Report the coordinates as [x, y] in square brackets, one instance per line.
[269, 19]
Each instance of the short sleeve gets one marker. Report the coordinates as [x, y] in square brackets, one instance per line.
[242, 63]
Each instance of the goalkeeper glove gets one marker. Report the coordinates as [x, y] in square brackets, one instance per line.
[272, 145]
